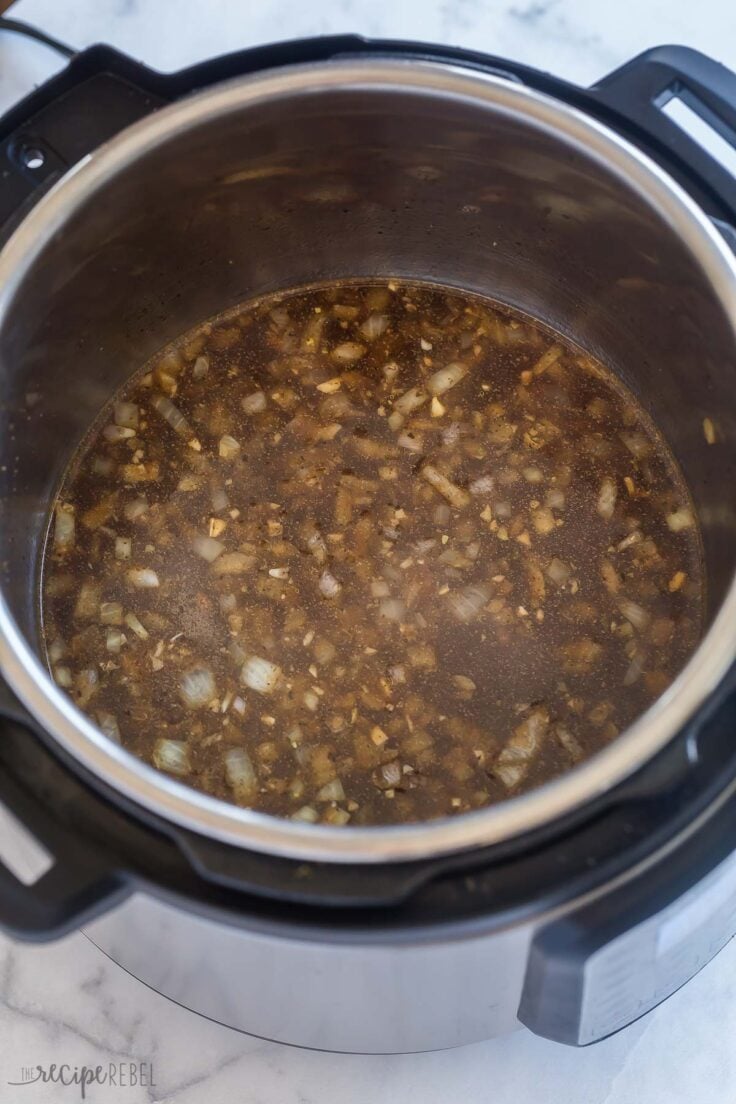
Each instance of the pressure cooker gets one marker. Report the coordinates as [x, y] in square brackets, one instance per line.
[133, 205]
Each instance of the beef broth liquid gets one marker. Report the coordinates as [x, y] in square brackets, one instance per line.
[370, 553]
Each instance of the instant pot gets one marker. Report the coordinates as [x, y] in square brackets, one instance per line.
[136, 204]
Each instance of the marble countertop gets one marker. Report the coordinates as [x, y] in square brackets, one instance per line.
[66, 1002]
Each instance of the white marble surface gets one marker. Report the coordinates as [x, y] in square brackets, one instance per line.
[66, 1002]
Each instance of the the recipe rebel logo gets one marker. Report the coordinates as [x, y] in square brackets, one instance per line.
[120, 1075]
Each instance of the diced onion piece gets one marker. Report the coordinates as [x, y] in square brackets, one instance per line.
[219, 499]
[327, 432]
[328, 585]
[516, 757]
[201, 367]
[463, 684]
[126, 414]
[610, 577]
[395, 420]
[135, 509]
[467, 603]
[315, 543]
[241, 775]
[116, 433]
[455, 495]
[295, 737]
[446, 378]
[133, 623]
[676, 581]
[171, 414]
[482, 486]
[88, 601]
[114, 640]
[102, 465]
[453, 557]
[422, 656]
[109, 725]
[64, 528]
[392, 609]
[143, 577]
[324, 651]
[255, 403]
[635, 669]
[140, 473]
[374, 326]
[348, 352]
[391, 773]
[412, 442]
[543, 520]
[330, 386]
[63, 677]
[279, 316]
[307, 814]
[555, 499]
[397, 673]
[335, 815]
[547, 359]
[172, 756]
[331, 791]
[537, 585]
[680, 519]
[558, 571]
[232, 563]
[580, 655]
[533, 474]
[228, 448]
[197, 687]
[607, 498]
[207, 547]
[311, 700]
[631, 539]
[111, 613]
[436, 408]
[410, 401]
[634, 613]
[637, 443]
[260, 674]
[569, 743]
[88, 682]
[56, 651]
[380, 588]
[123, 548]
[311, 334]
[451, 434]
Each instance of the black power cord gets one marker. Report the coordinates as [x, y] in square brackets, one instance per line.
[18, 27]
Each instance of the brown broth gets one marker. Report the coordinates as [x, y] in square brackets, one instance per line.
[376, 594]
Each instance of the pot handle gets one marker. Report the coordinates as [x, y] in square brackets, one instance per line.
[77, 882]
[639, 91]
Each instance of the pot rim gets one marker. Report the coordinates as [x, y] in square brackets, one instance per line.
[213, 818]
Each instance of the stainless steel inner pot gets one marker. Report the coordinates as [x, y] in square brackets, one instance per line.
[347, 169]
